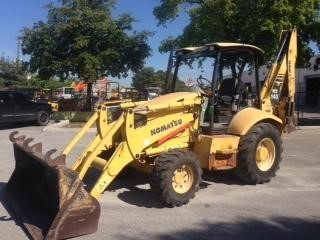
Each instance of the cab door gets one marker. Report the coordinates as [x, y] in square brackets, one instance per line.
[24, 110]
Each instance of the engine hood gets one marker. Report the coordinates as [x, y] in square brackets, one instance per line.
[171, 100]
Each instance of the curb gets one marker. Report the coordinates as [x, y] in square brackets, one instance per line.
[59, 124]
[307, 127]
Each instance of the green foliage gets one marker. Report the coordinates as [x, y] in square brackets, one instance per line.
[11, 73]
[81, 38]
[37, 82]
[257, 22]
[148, 77]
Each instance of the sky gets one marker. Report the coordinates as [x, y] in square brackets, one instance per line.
[16, 14]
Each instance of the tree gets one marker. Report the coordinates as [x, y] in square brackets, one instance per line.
[11, 73]
[81, 38]
[36, 82]
[148, 77]
[257, 22]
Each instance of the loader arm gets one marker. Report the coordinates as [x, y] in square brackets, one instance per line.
[140, 130]
[278, 90]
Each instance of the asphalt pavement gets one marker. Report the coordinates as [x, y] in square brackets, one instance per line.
[287, 208]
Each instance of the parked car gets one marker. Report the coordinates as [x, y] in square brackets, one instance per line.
[16, 107]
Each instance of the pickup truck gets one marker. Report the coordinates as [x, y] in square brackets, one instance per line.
[15, 107]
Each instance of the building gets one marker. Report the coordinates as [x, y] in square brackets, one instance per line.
[307, 84]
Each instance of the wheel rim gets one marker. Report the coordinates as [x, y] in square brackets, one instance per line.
[182, 179]
[43, 118]
[265, 154]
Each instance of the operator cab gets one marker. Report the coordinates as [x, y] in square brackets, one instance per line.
[225, 73]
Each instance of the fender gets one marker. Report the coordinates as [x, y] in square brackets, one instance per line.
[245, 119]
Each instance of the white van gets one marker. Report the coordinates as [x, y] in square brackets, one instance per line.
[66, 93]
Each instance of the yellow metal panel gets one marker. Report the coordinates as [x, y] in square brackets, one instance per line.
[120, 158]
[165, 148]
[99, 163]
[205, 145]
[281, 78]
[246, 118]
[131, 104]
[171, 100]
[78, 164]
[158, 126]
[89, 155]
[179, 111]
[54, 106]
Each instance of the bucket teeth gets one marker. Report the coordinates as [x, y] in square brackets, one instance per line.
[59, 160]
[25, 144]
[36, 150]
[13, 137]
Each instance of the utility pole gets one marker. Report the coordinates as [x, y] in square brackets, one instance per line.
[18, 55]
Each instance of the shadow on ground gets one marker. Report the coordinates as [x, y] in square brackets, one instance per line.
[277, 228]
[132, 186]
[135, 189]
[4, 126]
[12, 214]
[3, 218]
[226, 177]
[309, 117]
[309, 122]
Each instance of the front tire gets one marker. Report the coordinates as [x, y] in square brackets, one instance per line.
[43, 118]
[259, 154]
[176, 176]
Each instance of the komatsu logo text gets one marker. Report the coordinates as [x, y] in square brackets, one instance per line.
[165, 127]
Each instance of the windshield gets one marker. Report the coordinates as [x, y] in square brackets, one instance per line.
[203, 70]
[192, 69]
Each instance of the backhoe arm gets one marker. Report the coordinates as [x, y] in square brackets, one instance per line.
[278, 90]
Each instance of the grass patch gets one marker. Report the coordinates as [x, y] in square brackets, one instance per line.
[72, 116]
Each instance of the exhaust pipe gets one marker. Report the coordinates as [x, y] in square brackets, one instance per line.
[47, 197]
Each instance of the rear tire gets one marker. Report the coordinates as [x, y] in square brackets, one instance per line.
[259, 154]
[176, 176]
[43, 118]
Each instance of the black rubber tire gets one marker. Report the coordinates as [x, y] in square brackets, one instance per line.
[43, 118]
[162, 177]
[247, 167]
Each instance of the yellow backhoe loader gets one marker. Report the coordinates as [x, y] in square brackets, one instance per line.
[230, 123]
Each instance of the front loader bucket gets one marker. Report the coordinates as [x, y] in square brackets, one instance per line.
[47, 196]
